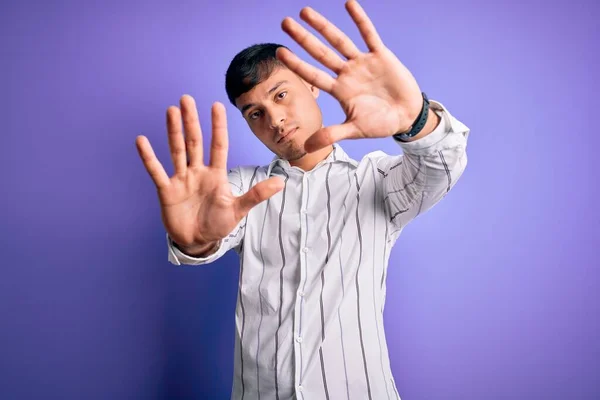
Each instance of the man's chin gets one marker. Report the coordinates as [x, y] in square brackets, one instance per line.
[296, 156]
[294, 152]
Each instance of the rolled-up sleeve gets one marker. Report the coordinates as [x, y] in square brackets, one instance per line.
[428, 169]
[232, 241]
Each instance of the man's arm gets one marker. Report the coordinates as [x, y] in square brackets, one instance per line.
[431, 165]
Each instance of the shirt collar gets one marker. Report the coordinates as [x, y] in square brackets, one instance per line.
[337, 155]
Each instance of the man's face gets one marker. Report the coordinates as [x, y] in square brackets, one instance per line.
[282, 105]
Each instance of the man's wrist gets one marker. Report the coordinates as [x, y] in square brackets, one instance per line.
[411, 115]
[433, 120]
[198, 250]
[419, 115]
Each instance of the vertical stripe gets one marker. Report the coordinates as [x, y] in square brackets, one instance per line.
[260, 303]
[362, 345]
[383, 266]
[243, 327]
[242, 307]
[323, 280]
[342, 285]
[447, 170]
[421, 203]
[375, 236]
[280, 286]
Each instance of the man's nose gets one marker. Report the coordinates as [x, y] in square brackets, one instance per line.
[276, 119]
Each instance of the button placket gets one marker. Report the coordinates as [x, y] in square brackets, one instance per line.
[300, 292]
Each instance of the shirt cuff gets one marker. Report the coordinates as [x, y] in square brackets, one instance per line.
[435, 140]
[177, 257]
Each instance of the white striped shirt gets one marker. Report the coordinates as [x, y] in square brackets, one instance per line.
[313, 262]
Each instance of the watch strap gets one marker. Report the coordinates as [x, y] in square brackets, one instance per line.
[419, 123]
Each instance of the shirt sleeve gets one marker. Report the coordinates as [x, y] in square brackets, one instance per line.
[429, 167]
[232, 241]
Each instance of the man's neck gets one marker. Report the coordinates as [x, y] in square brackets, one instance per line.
[310, 160]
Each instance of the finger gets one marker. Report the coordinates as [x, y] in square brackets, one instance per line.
[220, 140]
[364, 24]
[313, 45]
[153, 166]
[330, 32]
[306, 71]
[330, 135]
[257, 194]
[193, 132]
[176, 141]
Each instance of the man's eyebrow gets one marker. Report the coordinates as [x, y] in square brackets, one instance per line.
[274, 88]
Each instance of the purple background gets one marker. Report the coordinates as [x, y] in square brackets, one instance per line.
[493, 294]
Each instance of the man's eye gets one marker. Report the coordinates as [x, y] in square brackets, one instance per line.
[282, 95]
[254, 115]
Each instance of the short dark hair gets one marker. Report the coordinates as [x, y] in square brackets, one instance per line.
[249, 67]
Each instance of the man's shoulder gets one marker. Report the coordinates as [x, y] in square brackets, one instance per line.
[377, 159]
[247, 169]
[249, 172]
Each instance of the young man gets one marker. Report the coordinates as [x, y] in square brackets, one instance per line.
[313, 228]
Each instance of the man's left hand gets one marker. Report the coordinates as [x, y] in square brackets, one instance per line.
[378, 94]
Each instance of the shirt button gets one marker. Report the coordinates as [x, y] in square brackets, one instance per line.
[304, 211]
[305, 249]
[300, 388]
[299, 339]
[301, 293]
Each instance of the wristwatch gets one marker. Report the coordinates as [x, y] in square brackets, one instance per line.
[419, 123]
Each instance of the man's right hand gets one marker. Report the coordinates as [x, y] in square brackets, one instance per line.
[197, 205]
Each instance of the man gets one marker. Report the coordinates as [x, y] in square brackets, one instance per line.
[313, 228]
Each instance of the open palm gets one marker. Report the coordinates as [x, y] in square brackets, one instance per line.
[378, 94]
[197, 204]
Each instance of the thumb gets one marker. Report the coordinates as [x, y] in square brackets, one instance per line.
[330, 135]
[257, 194]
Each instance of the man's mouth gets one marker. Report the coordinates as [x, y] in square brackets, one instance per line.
[287, 136]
